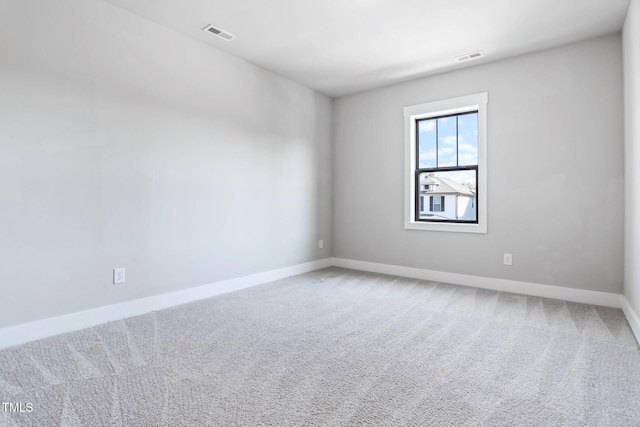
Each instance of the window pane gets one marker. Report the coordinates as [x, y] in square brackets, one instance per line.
[453, 195]
[447, 155]
[437, 204]
[427, 143]
[468, 139]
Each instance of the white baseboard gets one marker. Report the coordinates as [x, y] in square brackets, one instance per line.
[19, 334]
[632, 317]
[27, 332]
[533, 289]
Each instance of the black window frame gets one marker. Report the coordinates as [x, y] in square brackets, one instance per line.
[419, 170]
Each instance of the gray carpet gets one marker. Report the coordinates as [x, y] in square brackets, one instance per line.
[337, 347]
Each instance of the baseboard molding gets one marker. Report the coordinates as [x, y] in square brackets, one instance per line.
[632, 317]
[19, 334]
[526, 288]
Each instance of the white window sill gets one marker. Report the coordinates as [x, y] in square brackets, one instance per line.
[451, 227]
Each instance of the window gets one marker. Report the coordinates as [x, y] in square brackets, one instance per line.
[436, 204]
[446, 162]
[447, 158]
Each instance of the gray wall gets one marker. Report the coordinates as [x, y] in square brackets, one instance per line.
[555, 171]
[125, 144]
[631, 46]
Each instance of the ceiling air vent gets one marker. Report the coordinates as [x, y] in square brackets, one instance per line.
[218, 32]
[470, 56]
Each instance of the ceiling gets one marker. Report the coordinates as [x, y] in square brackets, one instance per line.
[340, 47]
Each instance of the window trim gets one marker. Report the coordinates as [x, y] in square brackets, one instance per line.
[457, 105]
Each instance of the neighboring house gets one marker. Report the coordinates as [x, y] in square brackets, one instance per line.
[445, 199]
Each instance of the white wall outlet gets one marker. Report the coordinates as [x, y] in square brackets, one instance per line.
[320, 244]
[508, 259]
[118, 276]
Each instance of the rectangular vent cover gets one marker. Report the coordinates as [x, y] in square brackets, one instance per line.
[468, 56]
[219, 32]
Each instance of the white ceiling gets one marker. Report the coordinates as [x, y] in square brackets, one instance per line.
[344, 46]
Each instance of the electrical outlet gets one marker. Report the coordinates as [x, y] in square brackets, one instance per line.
[320, 244]
[508, 259]
[118, 276]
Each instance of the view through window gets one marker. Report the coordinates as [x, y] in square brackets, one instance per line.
[446, 171]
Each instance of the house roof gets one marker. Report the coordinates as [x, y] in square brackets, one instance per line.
[445, 186]
[429, 181]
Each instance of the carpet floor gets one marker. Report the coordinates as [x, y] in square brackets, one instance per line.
[336, 347]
